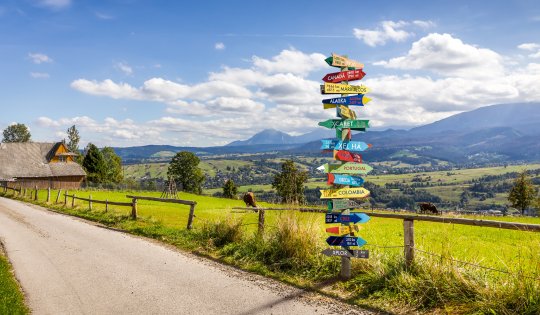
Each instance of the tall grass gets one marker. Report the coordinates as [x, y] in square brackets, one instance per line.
[11, 298]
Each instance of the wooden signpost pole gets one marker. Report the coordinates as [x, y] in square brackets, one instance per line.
[346, 266]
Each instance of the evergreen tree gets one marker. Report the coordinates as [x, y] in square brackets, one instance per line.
[185, 171]
[289, 184]
[73, 143]
[16, 133]
[229, 189]
[523, 193]
[112, 172]
[94, 164]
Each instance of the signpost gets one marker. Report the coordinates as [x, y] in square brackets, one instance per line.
[335, 88]
[357, 192]
[346, 253]
[345, 186]
[345, 180]
[359, 100]
[350, 75]
[353, 217]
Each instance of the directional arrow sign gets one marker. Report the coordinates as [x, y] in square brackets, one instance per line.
[343, 229]
[354, 253]
[359, 100]
[347, 168]
[342, 61]
[356, 192]
[346, 156]
[345, 112]
[350, 75]
[334, 88]
[339, 124]
[345, 180]
[344, 134]
[354, 217]
[333, 144]
[345, 241]
[340, 204]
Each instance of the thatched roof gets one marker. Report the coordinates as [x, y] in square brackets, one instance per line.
[31, 159]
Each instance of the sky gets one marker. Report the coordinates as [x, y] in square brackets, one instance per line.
[205, 73]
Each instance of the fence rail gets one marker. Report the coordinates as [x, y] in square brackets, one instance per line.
[190, 203]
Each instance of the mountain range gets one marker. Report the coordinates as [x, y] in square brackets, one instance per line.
[503, 132]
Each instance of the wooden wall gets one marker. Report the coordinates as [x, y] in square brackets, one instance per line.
[64, 182]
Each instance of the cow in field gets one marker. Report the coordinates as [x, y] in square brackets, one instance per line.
[249, 199]
[428, 207]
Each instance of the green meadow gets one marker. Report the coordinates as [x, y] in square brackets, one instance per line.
[473, 269]
[11, 297]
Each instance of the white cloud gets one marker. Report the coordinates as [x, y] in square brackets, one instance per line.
[534, 47]
[290, 61]
[448, 56]
[124, 67]
[107, 88]
[39, 75]
[39, 58]
[219, 46]
[389, 31]
[54, 4]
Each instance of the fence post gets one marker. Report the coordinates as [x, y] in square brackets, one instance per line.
[73, 201]
[408, 235]
[65, 198]
[134, 209]
[261, 222]
[106, 205]
[36, 195]
[346, 267]
[58, 195]
[24, 195]
[191, 215]
[49, 194]
[90, 202]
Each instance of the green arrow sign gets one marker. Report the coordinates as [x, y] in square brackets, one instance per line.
[348, 168]
[345, 123]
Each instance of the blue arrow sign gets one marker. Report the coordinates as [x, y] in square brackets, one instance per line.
[328, 144]
[345, 180]
[346, 100]
[355, 146]
[345, 241]
[354, 217]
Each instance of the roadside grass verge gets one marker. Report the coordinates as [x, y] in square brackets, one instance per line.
[11, 297]
[290, 249]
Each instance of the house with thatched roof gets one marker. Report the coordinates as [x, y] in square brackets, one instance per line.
[31, 164]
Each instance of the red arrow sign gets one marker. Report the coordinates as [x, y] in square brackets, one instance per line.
[350, 75]
[347, 156]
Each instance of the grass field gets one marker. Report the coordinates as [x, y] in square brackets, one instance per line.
[11, 297]
[514, 252]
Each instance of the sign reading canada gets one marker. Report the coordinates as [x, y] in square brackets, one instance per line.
[350, 75]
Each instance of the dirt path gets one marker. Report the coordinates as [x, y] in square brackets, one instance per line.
[68, 266]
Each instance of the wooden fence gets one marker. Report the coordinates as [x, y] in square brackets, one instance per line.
[408, 224]
[190, 203]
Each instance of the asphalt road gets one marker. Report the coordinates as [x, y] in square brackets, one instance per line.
[69, 266]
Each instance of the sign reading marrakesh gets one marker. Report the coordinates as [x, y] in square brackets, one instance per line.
[359, 100]
[350, 75]
[333, 88]
[356, 192]
[347, 168]
[339, 123]
[342, 61]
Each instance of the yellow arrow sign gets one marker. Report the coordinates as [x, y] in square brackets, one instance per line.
[346, 112]
[334, 88]
[343, 229]
[341, 61]
[355, 192]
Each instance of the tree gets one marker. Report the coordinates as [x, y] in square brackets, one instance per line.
[185, 172]
[94, 164]
[74, 138]
[289, 184]
[16, 133]
[523, 193]
[229, 189]
[112, 172]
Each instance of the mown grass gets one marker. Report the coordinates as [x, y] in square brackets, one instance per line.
[290, 250]
[11, 297]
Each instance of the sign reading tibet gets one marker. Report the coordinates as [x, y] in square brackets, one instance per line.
[358, 100]
[347, 168]
[354, 217]
[343, 229]
[345, 180]
[333, 144]
[340, 204]
[347, 123]
[353, 253]
[357, 192]
[342, 62]
[334, 88]
[350, 75]
[346, 156]
[345, 241]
